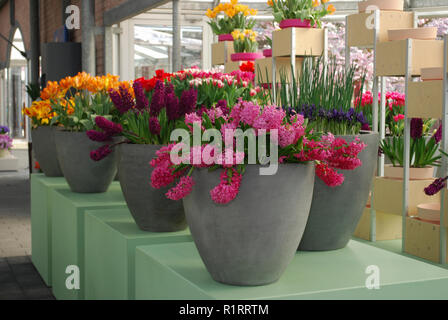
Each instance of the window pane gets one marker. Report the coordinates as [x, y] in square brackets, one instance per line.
[153, 49]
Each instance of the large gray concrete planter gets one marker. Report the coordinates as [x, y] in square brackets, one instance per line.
[335, 212]
[251, 240]
[84, 175]
[44, 148]
[151, 210]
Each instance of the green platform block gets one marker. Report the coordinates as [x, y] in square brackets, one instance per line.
[69, 211]
[175, 271]
[111, 237]
[41, 208]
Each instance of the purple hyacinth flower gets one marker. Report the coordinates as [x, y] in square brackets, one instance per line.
[101, 153]
[126, 98]
[4, 130]
[222, 104]
[438, 135]
[109, 127]
[172, 107]
[140, 97]
[188, 101]
[154, 126]
[158, 99]
[436, 187]
[98, 136]
[416, 128]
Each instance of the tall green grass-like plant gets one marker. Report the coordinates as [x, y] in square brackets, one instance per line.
[323, 93]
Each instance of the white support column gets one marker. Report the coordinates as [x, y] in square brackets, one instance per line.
[445, 148]
[176, 36]
[88, 36]
[407, 142]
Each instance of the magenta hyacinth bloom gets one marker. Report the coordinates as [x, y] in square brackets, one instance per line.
[438, 135]
[154, 126]
[436, 187]
[122, 99]
[109, 127]
[101, 153]
[98, 136]
[142, 101]
[416, 128]
[126, 99]
[188, 101]
[158, 99]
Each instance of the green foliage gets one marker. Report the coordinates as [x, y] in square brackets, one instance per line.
[85, 109]
[422, 151]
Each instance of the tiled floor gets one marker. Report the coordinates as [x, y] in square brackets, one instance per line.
[18, 277]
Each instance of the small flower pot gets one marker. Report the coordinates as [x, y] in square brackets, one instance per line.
[84, 175]
[335, 212]
[427, 33]
[149, 207]
[429, 212]
[296, 23]
[246, 56]
[267, 53]
[44, 147]
[251, 240]
[386, 5]
[225, 37]
[414, 173]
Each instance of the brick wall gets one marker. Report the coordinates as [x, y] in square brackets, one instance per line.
[51, 20]
[22, 10]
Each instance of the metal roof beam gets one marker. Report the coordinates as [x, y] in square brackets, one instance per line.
[130, 9]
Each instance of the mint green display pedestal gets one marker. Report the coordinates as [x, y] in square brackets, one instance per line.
[111, 237]
[41, 209]
[69, 211]
[175, 271]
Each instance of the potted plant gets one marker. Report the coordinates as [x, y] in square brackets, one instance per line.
[5, 142]
[245, 45]
[323, 93]
[159, 105]
[247, 225]
[43, 128]
[235, 16]
[423, 153]
[85, 98]
[267, 53]
[300, 13]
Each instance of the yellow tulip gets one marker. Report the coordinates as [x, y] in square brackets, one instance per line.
[331, 9]
[316, 3]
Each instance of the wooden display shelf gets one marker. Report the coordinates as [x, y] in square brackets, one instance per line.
[425, 99]
[308, 42]
[423, 239]
[263, 69]
[389, 195]
[359, 35]
[221, 52]
[391, 57]
[388, 226]
[232, 66]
